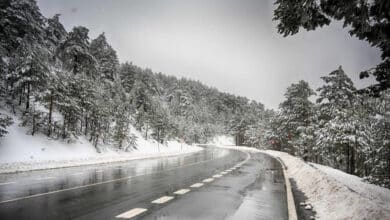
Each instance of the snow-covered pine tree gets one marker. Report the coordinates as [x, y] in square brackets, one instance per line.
[106, 57]
[74, 52]
[55, 33]
[295, 117]
[21, 41]
[377, 163]
[5, 121]
[340, 136]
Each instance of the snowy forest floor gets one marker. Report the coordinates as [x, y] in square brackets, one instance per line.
[329, 193]
[21, 152]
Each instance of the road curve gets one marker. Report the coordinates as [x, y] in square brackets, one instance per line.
[161, 188]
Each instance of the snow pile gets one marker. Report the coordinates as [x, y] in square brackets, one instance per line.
[21, 152]
[334, 194]
[357, 184]
[223, 140]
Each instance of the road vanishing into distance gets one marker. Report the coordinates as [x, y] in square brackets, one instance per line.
[211, 184]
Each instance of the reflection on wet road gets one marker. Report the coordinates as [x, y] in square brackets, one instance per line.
[144, 188]
[254, 191]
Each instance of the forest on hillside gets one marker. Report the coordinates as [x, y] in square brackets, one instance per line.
[65, 85]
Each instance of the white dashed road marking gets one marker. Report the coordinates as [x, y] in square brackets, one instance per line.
[197, 185]
[208, 180]
[46, 178]
[162, 200]
[181, 192]
[217, 176]
[223, 173]
[131, 213]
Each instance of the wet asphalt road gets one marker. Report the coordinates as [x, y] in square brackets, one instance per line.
[255, 190]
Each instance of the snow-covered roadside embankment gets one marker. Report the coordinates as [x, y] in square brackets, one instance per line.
[334, 194]
[22, 152]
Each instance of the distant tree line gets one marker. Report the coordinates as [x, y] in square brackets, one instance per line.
[65, 85]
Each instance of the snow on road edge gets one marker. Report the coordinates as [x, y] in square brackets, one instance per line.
[331, 198]
[27, 166]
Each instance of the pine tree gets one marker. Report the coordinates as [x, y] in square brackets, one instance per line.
[55, 34]
[377, 163]
[20, 20]
[74, 52]
[5, 121]
[340, 133]
[295, 117]
[106, 57]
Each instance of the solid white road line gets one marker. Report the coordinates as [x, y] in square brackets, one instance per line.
[6, 183]
[101, 183]
[162, 200]
[45, 178]
[197, 185]
[208, 180]
[131, 213]
[182, 191]
[217, 176]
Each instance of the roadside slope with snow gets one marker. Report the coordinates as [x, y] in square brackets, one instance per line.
[334, 194]
[22, 152]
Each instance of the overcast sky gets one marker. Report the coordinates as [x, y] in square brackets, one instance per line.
[228, 44]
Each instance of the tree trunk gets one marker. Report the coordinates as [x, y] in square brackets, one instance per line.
[348, 159]
[352, 163]
[146, 132]
[20, 95]
[13, 92]
[75, 65]
[86, 125]
[33, 124]
[96, 141]
[28, 96]
[64, 128]
[50, 114]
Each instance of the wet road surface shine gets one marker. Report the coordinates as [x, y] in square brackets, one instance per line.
[253, 191]
[150, 189]
[114, 190]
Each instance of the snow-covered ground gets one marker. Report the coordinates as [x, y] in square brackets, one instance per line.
[333, 194]
[21, 152]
